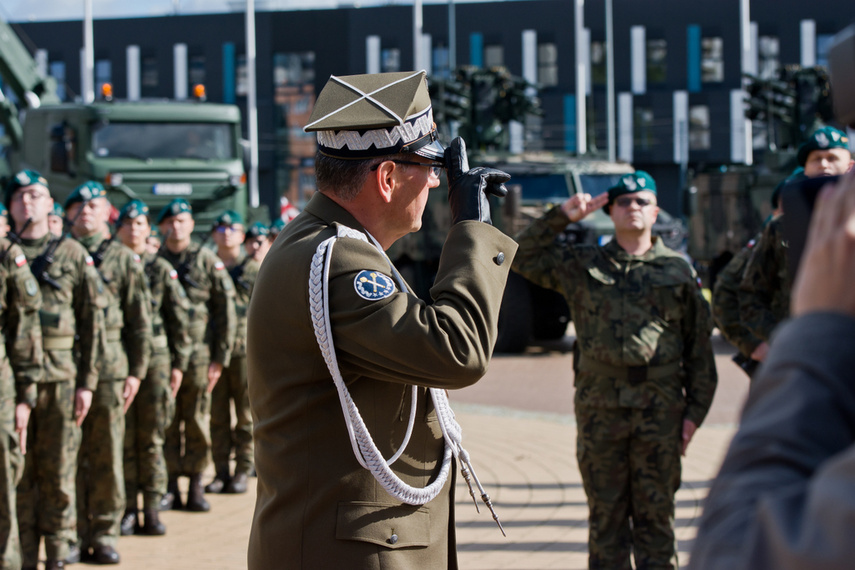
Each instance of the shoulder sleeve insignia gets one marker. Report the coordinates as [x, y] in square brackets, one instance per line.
[137, 258]
[219, 265]
[173, 274]
[89, 260]
[373, 286]
[20, 260]
[31, 287]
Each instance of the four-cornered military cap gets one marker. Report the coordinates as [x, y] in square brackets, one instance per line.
[824, 138]
[87, 191]
[57, 210]
[374, 115]
[638, 181]
[133, 210]
[177, 206]
[257, 230]
[21, 179]
[228, 218]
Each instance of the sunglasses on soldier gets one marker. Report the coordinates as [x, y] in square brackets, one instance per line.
[626, 201]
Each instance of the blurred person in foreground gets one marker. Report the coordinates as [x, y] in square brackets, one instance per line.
[330, 322]
[785, 496]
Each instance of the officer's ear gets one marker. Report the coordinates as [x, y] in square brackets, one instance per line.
[386, 180]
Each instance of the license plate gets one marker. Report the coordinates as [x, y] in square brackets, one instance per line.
[173, 189]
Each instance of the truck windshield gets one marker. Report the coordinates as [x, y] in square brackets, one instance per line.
[595, 184]
[542, 188]
[201, 141]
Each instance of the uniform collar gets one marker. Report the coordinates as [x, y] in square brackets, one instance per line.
[617, 252]
[330, 212]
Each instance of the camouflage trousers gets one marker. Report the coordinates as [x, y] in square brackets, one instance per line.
[232, 387]
[145, 433]
[46, 493]
[188, 438]
[100, 477]
[11, 469]
[629, 460]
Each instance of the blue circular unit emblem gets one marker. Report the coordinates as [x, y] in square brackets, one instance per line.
[373, 286]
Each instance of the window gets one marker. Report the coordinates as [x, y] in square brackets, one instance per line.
[103, 75]
[293, 68]
[390, 60]
[768, 57]
[699, 127]
[823, 43]
[598, 63]
[657, 53]
[201, 141]
[643, 128]
[196, 70]
[494, 56]
[441, 63]
[712, 60]
[241, 81]
[57, 71]
[148, 74]
[547, 65]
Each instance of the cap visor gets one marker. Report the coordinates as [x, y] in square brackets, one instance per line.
[433, 151]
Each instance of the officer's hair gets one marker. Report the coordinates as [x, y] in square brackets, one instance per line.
[344, 178]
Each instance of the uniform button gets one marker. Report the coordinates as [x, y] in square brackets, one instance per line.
[393, 539]
[499, 259]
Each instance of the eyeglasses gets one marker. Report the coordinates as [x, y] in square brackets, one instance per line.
[33, 195]
[233, 228]
[435, 167]
[626, 201]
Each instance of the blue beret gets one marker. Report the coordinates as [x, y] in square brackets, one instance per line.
[177, 206]
[228, 218]
[131, 210]
[57, 210]
[257, 230]
[824, 138]
[89, 190]
[24, 178]
[638, 181]
[277, 225]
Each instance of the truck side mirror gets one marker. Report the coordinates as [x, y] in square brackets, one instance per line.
[690, 201]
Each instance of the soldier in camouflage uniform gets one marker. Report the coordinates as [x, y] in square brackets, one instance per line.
[56, 220]
[646, 369]
[125, 346]
[766, 284]
[257, 242]
[154, 406]
[71, 319]
[229, 234]
[212, 330]
[20, 369]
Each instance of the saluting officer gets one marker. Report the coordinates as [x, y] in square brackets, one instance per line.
[21, 368]
[646, 373]
[72, 320]
[228, 232]
[212, 331]
[153, 408]
[124, 361]
[765, 288]
[331, 320]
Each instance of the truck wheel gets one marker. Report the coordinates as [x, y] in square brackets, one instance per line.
[514, 316]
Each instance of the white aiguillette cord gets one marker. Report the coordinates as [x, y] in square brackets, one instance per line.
[364, 448]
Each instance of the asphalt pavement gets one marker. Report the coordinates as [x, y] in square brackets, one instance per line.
[519, 428]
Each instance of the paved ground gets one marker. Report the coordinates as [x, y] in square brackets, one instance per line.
[518, 426]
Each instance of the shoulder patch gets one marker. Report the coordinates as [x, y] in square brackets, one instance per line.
[20, 260]
[219, 265]
[173, 274]
[373, 285]
[137, 258]
[31, 287]
[89, 260]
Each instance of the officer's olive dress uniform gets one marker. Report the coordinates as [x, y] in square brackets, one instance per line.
[316, 506]
[645, 364]
[21, 367]
[125, 352]
[72, 322]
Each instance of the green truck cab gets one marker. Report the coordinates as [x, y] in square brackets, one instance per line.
[151, 150]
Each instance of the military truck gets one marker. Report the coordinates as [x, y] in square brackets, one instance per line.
[154, 150]
[539, 181]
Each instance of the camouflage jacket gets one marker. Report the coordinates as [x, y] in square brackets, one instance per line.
[766, 283]
[126, 338]
[71, 316]
[725, 302]
[243, 274]
[20, 301]
[628, 310]
[170, 309]
[213, 320]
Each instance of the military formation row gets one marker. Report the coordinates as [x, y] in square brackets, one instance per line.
[121, 357]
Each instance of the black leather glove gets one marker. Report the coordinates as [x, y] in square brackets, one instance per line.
[467, 189]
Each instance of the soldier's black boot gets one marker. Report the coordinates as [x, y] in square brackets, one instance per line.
[237, 484]
[172, 498]
[152, 525]
[220, 482]
[196, 495]
[130, 521]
